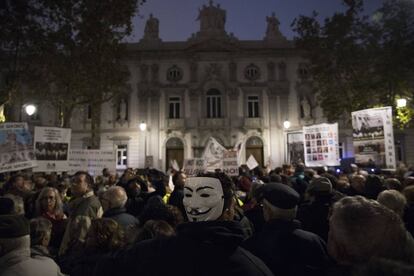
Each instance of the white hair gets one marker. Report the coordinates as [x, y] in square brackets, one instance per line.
[356, 219]
[394, 200]
[117, 196]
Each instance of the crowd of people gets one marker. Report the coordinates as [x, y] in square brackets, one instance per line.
[291, 220]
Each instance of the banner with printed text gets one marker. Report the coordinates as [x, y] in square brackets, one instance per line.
[92, 161]
[230, 163]
[16, 147]
[51, 146]
[321, 145]
[373, 137]
[193, 166]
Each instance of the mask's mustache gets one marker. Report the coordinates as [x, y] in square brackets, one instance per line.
[197, 212]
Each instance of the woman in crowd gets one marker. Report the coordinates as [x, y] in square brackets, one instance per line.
[49, 206]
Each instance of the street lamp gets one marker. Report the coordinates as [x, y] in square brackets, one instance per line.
[286, 126]
[143, 128]
[401, 103]
[30, 109]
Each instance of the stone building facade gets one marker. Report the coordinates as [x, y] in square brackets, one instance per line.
[212, 85]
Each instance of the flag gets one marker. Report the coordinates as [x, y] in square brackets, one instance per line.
[213, 155]
[174, 165]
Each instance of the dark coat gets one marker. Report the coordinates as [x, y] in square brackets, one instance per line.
[121, 217]
[314, 216]
[409, 218]
[176, 199]
[288, 250]
[200, 248]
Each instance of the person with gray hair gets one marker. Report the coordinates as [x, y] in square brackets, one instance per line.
[113, 202]
[362, 229]
[40, 233]
[15, 256]
[394, 200]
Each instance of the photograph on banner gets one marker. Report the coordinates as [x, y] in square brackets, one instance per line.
[321, 145]
[373, 137]
[193, 166]
[295, 148]
[230, 165]
[16, 147]
[93, 161]
[51, 147]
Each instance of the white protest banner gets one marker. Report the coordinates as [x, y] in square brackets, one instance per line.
[92, 161]
[16, 147]
[230, 165]
[251, 162]
[373, 137]
[238, 147]
[194, 166]
[213, 155]
[51, 146]
[321, 145]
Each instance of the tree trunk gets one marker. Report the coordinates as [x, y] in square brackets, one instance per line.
[96, 126]
[65, 114]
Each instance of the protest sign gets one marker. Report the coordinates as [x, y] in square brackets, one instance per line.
[321, 145]
[51, 146]
[16, 147]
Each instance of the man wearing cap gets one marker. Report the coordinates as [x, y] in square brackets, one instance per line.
[15, 250]
[282, 245]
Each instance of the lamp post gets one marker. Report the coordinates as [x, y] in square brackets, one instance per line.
[143, 128]
[286, 126]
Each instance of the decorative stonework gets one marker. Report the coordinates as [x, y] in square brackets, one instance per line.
[174, 73]
[252, 72]
[213, 71]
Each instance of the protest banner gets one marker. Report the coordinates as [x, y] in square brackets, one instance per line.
[213, 155]
[92, 161]
[321, 145]
[16, 147]
[373, 137]
[193, 166]
[251, 162]
[51, 146]
[230, 164]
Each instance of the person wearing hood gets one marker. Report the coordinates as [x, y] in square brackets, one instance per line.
[209, 244]
[281, 244]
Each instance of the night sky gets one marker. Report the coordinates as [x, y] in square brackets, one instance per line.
[245, 18]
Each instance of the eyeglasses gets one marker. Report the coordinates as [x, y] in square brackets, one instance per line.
[48, 197]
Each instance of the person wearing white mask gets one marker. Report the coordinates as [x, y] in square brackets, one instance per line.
[206, 245]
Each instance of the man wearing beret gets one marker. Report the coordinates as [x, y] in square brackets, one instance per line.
[282, 245]
[15, 250]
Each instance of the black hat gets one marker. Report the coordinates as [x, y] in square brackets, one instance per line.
[320, 185]
[280, 195]
[13, 226]
[6, 206]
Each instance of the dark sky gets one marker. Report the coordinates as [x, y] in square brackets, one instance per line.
[245, 18]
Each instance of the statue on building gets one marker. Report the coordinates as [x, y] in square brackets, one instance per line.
[306, 110]
[151, 30]
[272, 30]
[212, 18]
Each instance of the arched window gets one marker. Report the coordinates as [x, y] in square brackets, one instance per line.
[213, 103]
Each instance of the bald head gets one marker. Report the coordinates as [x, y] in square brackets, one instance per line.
[114, 197]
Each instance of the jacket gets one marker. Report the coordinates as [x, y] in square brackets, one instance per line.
[288, 250]
[19, 263]
[200, 248]
[120, 216]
